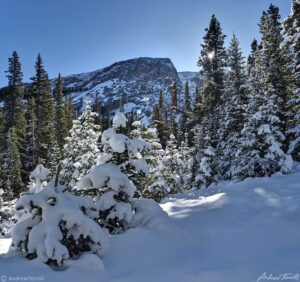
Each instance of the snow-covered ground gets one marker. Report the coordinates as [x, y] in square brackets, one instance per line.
[243, 231]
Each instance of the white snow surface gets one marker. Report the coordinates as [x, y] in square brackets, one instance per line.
[230, 232]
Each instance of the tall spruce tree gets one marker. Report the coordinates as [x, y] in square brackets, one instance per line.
[61, 130]
[44, 111]
[47, 137]
[234, 104]
[275, 67]
[291, 28]
[14, 107]
[260, 150]
[212, 61]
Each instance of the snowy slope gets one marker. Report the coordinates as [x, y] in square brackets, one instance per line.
[138, 81]
[231, 232]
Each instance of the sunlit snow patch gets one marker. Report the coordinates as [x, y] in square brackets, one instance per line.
[4, 245]
[181, 208]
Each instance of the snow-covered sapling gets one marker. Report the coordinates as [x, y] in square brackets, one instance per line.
[58, 226]
[120, 168]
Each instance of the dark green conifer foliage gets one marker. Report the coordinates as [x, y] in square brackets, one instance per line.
[12, 164]
[234, 103]
[185, 123]
[14, 107]
[291, 29]
[160, 119]
[212, 61]
[121, 105]
[69, 113]
[61, 130]
[31, 155]
[275, 66]
[47, 130]
[97, 109]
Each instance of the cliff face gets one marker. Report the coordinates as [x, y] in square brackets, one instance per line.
[137, 81]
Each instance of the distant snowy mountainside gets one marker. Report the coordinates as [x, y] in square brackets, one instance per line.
[193, 80]
[138, 81]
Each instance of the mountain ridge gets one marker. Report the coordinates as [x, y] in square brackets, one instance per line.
[138, 81]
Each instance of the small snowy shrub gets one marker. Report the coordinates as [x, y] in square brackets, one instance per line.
[58, 226]
[114, 205]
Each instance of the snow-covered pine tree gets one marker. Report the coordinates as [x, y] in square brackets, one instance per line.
[81, 148]
[13, 102]
[234, 104]
[131, 158]
[186, 162]
[12, 165]
[154, 186]
[171, 169]
[14, 117]
[276, 70]
[277, 75]
[119, 166]
[291, 28]
[212, 61]
[57, 226]
[204, 166]
[260, 150]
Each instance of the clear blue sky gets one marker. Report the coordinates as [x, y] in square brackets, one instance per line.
[83, 35]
